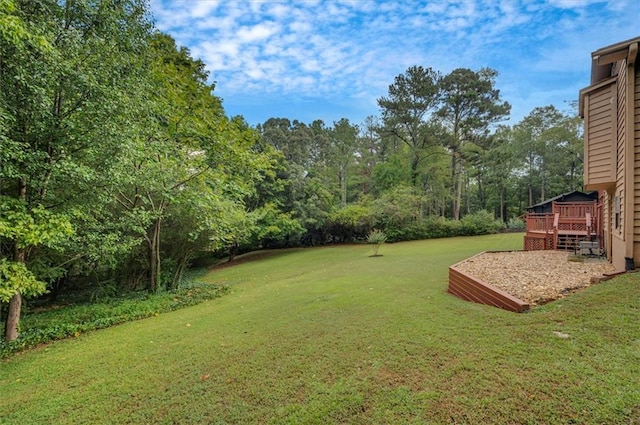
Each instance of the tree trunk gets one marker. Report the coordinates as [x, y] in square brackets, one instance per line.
[543, 191]
[530, 182]
[13, 318]
[343, 184]
[153, 245]
[157, 253]
[233, 251]
[15, 303]
[458, 200]
[502, 206]
[571, 175]
[177, 275]
[153, 271]
[414, 169]
[467, 193]
[453, 182]
[481, 200]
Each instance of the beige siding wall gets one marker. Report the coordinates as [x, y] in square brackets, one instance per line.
[607, 220]
[636, 129]
[618, 213]
[618, 82]
[600, 128]
[617, 246]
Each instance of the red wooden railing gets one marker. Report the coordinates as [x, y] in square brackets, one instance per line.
[538, 222]
[574, 209]
[575, 219]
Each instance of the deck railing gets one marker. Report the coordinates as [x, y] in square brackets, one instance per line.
[574, 209]
[578, 220]
[539, 222]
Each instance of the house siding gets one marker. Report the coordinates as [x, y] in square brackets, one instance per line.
[606, 219]
[615, 72]
[621, 192]
[600, 126]
[636, 168]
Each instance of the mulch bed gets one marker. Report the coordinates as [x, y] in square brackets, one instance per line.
[536, 277]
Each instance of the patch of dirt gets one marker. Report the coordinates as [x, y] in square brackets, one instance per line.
[536, 277]
[391, 378]
[250, 256]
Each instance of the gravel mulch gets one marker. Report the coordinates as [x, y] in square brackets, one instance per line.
[536, 277]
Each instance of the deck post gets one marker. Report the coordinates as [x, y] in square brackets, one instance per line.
[569, 224]
[556, 219]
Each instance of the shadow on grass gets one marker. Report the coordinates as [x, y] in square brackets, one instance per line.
[253, 256]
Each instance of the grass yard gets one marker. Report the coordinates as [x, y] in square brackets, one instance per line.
[332, 335]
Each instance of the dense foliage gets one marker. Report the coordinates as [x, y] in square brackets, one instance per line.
[42, 327]
[119, 165]
[118, 162]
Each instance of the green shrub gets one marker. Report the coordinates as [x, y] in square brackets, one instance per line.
[439, 227]
[400, 206]
[50, 325]
[376, 238]
[350, 223]
[429, 228]
[480, 223]
[515, 224]
[274, 228]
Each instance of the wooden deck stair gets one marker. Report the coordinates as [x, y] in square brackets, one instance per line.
[564, 228]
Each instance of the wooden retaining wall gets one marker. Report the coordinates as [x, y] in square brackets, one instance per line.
[469, 288]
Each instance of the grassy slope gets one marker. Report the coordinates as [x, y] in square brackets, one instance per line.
[330, 335]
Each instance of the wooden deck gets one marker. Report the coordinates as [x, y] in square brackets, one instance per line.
[565, 227]
[470, 288]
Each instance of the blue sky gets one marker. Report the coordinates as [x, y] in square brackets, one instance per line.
[332, 59]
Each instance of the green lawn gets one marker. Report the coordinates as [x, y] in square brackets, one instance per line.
[332, 335]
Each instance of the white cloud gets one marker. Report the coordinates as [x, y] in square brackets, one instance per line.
[573, 4]
[351, 50]
[202, 8]
[278, 10]
[258, 32]
[434, 8]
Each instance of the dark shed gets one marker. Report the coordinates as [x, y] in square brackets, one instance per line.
[545, 207]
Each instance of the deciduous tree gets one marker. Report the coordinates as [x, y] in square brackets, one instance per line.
[65, 90]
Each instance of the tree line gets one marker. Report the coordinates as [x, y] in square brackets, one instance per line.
[119, 165]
